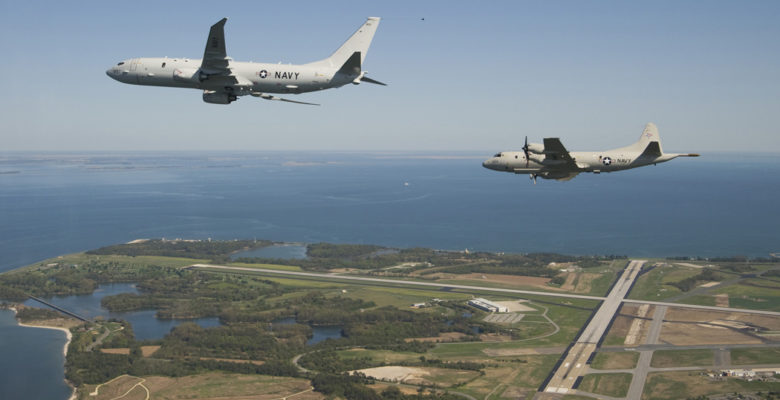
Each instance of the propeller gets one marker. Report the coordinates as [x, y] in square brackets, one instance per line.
[525, 149]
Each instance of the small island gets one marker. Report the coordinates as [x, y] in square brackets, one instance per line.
[411, 323]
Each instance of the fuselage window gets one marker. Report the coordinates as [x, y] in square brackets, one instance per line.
[163, 65]
[121, 62]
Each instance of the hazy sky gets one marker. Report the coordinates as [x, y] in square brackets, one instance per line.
[475, 76]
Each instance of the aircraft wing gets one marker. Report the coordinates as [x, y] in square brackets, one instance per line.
[215, 59]
[556, 153]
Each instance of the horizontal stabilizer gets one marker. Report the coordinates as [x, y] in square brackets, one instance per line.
[369, 80]
[272, 97]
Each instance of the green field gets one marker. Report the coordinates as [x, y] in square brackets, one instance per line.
[692, 384]
[654, 285]
[682, 358]
[615, 385]
[615, 360]
[764, 355]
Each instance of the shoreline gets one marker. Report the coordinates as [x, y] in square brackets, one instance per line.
[68, 338]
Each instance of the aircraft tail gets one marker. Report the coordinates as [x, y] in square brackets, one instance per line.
[357, 43]
[649, 142]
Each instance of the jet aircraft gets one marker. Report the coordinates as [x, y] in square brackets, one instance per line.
[552, 161]
[224, 80]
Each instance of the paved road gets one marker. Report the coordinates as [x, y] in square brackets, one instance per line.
[575, 363]
[393, 281]
[642, 367]
[466, 287]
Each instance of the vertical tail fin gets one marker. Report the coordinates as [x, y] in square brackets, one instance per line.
[649, 140]
[358, 42]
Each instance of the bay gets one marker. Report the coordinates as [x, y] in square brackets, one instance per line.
[52, 204]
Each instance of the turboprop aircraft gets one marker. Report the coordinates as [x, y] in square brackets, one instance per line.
[224, 80]
[552, 161]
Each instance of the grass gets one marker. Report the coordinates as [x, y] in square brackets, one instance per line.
[692, 384]
[524, 374]
[655, 285]
[82, 258]
[752, 297]
[268, 266]
[682, 358]
[763, 355]
[210, 385]
[379, 356]
[615, 360]
[615, 385]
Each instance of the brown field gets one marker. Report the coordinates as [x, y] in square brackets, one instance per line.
[722, 300]
[420, 375]
[212, 386]
[495, 337]
[523, 352]
[233, 360]
[713, 327]
[114, 389]
[584, 283]
[442, 338]
[121, 350]
[622, 324]
[379, 387]
[568, 284]
[514, 280]
[147, 351]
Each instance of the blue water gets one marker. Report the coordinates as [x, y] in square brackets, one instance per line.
[279, 251]
[319, 332]
[715, 205]
[145, 325]
[31, 361]
[709, 206]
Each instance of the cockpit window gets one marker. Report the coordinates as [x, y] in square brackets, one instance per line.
[121, 62]
[497, 155]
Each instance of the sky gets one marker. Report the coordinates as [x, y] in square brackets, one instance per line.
[462, 76]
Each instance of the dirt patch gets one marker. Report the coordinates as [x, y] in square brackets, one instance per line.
[767, 322]
[584, 284]
[683, 334]
[523, 352]
[722, 300]
[410, 375]
[516, 306]
[407, 390]
[568, 284]
[495, 337]
[147, 351]
[443, 338]
[233, 360]
[124, 351]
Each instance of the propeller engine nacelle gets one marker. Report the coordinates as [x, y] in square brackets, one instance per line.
[210, 96]
[536, 148]
[539, 158]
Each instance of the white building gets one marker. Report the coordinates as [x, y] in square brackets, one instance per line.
[487, 305]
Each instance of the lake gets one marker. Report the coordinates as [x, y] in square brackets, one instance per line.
[145, 325]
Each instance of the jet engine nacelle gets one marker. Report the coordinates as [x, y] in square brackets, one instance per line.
[536, 148]
[210, 96]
